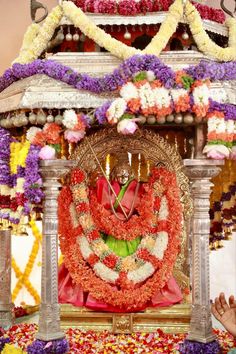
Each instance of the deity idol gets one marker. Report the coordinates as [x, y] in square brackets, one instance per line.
[116, 201]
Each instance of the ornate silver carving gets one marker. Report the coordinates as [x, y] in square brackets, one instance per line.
[6, 306]
[49, 314]
[200, 173]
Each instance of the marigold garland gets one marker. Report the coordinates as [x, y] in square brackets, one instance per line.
[128, 297]
[23, 278]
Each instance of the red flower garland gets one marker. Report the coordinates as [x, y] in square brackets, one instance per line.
[127, 296]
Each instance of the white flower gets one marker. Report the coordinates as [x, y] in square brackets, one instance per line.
[141, 274]
[73, 215]
[162, 97]
[30, 135]
[116, 110]
[146, 96]
[221, 126]
[164, 211]
[150, 75]
[84, 247]
[212, 123]
[201, 95]
[69, 118]
[177, 93]
[160, 244]
[105, 273]
[230, 126]
[20, 185]
[129, 91]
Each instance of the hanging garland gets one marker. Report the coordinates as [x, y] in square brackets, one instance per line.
[96, 268]
[119, 49]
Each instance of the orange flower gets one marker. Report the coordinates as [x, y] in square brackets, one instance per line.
[52, 133]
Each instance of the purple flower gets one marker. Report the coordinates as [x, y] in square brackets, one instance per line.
[59, 346]
[3, 341]
[33, 181]
[191, 347]
[100, 113]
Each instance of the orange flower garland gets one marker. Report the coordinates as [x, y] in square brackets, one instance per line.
[126, 295]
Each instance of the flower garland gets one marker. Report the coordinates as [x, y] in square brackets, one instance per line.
[83, 263]
[158, 43]
[132, 8]
[39, 38]
[20, 182]
[203, 41]
[23, 278]
[221, 137]
[111, 82]
[148, 95]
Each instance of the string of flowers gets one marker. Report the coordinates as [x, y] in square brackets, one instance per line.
[111, 82]
[19, 275]
[132, 8]
[160, 40]
[202, 39]
[83, 263]
[36, 40]
[220, 137]
[24, 277]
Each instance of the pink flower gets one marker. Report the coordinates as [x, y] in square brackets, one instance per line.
[216, 152]
[47, 153]
[74, 136]
[126, 126]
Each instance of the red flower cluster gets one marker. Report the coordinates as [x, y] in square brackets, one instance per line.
[77, 176]
[132, 8]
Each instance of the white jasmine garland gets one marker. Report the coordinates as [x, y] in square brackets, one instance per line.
[230, 126]
[141, 274]
[177, 93]
[221, 126]
[84, 247]
[105, 273]
[162, 97]
[163, 211]
[201, 95]
[146, 96]
[116, 110]
[160, 244]
[69, 119]
[73, 215]
[129, 91]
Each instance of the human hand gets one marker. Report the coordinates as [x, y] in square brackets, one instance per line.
[225, 312]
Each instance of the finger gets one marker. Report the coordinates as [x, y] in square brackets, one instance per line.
[223, 302]
[218, 306]
[215, 312]
[232, 302]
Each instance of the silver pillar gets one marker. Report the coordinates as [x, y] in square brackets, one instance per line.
[6, 306]
[200, 172]
[49, 313]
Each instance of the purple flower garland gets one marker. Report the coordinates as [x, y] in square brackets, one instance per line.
[192, 347]
[33, 182]
[111, 82]
[59, 346]
[5, 140]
